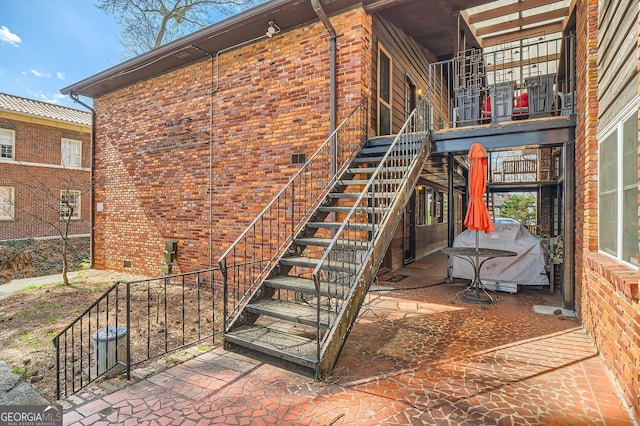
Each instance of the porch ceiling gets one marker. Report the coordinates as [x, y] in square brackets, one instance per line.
[435, 24]
[503, 21]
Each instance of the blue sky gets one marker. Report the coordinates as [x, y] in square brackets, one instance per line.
[46, 45]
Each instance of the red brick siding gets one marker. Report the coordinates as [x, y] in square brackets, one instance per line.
[638, 68]
[606, 290]
[36, 189]
[614, 321]
[271, 100]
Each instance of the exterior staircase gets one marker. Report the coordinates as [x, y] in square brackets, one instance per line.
[299, 302]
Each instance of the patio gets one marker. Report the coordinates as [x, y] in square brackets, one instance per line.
[412, 357]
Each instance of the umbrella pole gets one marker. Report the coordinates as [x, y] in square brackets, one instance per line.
[477, 266]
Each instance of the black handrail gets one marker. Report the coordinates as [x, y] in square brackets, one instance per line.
[255, 252]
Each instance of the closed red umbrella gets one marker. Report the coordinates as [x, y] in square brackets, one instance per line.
[477, 218]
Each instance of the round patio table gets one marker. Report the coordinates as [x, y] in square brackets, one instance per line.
[473, 256]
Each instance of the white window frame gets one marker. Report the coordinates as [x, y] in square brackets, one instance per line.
[77, 213]
[616, 127]
[71, 159]
[387, 103]
[12, 136]
[424, 205]
[7, 206]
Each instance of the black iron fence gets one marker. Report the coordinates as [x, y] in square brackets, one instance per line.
[136, 321]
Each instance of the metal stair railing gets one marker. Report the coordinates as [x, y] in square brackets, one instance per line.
[136, 321]
[373, 209]
[254, 254]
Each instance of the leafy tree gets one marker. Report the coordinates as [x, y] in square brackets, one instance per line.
[147, 24]
[521, 207]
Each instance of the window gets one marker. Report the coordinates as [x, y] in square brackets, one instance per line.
[298, 159]
[7, 142]
[7, 197]
[384, 92]
[71, 152]
[618, 189]
[424, 199]
[70, 204]
[444, 215]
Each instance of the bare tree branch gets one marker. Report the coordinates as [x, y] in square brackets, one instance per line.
[54, 195]
[147, 24]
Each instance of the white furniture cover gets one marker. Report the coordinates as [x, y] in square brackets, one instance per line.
[527, 268]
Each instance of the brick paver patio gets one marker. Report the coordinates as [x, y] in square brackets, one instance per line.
[413, 358]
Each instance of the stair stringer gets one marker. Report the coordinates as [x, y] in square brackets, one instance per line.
[336, 337]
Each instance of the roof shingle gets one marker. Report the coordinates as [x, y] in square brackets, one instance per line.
[44, 109]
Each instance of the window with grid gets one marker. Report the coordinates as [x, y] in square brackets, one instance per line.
[7, 197]
[70, 204]
[7, 143]
[71, 152]
[618, 189]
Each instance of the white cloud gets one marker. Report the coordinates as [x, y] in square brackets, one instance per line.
[60, 76]
[39, 74]
[51, 98]
[7, 36]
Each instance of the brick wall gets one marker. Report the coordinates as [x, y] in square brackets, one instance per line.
[606, 290]
[36, 186]
[270, 100]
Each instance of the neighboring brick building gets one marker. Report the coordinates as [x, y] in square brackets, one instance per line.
[45, 162]
[194, 138]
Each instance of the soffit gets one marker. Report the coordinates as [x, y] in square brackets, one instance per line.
[503, 21]
[435, 24]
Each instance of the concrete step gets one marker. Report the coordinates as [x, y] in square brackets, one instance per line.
[354, 195]
[336, 225]
[311, 263]
[349, 182]
[358, 170]
[289, 311]
[306, 286]
[377, 159]
[296, 349]
[324, 242]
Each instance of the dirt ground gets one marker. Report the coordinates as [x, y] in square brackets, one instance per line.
[31, 318]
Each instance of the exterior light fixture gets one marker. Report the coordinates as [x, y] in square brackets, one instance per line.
[272, 29]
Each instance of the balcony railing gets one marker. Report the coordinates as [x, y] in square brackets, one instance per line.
[516, 81]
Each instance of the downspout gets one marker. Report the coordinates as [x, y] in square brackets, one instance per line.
[213, 89]
[210, 191]
[332, 79]
[74, 98]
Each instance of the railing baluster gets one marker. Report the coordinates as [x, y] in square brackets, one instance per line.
[128, 316]
[77, 366]
[400, 157]
[183, 310]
